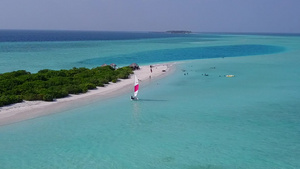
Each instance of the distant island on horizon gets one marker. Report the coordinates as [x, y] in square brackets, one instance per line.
[179, 31]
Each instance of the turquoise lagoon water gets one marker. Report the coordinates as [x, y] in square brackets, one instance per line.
[186, 120]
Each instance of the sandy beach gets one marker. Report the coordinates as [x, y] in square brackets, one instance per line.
[32, 109]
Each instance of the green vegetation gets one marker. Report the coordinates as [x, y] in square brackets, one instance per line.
[49, 85]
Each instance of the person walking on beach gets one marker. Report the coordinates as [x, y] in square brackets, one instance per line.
[151, 68]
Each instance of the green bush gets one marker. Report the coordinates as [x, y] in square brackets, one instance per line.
[90, 86]
[32, 97]
[48, 84]
[73, 89]
[48, 97]
[7, 100]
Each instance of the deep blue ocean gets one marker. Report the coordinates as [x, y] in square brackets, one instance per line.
[44, 35]
[186, 120]
[96, 48]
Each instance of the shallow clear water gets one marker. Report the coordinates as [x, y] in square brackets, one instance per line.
[186, 120]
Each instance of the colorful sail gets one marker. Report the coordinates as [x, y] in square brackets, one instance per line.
[136, 86]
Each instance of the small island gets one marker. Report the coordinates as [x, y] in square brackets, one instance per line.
[55, 83]
[48, 85]
[179, 32]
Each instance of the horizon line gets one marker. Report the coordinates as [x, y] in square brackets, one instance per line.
[153, 31]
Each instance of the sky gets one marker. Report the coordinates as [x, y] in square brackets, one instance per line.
[266, 16]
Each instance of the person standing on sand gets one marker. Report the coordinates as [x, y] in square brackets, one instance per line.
[150, 71]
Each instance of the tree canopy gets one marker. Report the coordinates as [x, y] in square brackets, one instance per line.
[49, 85]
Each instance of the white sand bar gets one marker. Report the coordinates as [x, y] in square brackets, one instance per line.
[32, 109]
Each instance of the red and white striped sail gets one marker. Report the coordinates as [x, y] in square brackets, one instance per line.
[136, 86]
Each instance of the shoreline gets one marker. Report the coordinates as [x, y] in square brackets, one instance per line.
[32, 109]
